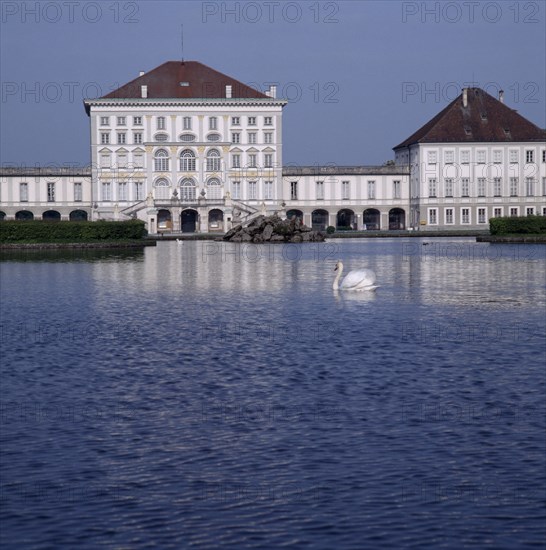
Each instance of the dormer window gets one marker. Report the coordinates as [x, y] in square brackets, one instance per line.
[484, 116]
[468, 130]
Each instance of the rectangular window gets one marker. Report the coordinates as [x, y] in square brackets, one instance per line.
[236, 137]
[513, 156]
[268, 137]
[480, 157]
[137, 137]
[23, 192]
[449, 187]
[320, 190]
[252, 160]
[121, 138]
[449, 216]
[138, 187]
[160, 123]
[294, 190]
[122, 160]
[213, 164]
[236, 160]
[345, 189]
[268, 121]
[106, 191]
[497, 187]
[432, 187]
[465, 215]
[544, 187]
[235, 120]
[104, 120]
[529, 157]
[465, 187]
[121, 121]
[514, 184]
[432, 216]
[481, 187]
[122, 190]
[251, 137]
[497, 156]
[396, 189]
[105, 160]
[431, 157]
[213, 123]
[138, 159]
[252, 190]
[544, 210]
[252, 121]
[530, 187]
[268, 160]
[371, 189]
[186, 123]
[236, 189]
[514, 212]
[449, 157]
[530, 211]
[268, 190]
[497, 212]
[161, 164]
[482, 215]
[105, 138]
[543, 155]
[137, 121]
[50, 191]
[78, 195]
[465, 157]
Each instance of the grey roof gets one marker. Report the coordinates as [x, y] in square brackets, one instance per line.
[36, 171]
[390, 170]
[85, 171]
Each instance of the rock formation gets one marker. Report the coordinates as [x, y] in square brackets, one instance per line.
[271, 229]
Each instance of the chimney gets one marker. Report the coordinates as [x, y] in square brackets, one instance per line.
[272, 92]
[465, 97]
[144, 91]
[501, 96]
[228, 91]
[141, 73]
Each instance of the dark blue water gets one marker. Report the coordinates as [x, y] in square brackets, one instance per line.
[221, 395]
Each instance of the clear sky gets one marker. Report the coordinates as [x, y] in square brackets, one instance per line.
[360, 76]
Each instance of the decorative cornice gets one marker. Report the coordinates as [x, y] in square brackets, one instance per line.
[174, 102]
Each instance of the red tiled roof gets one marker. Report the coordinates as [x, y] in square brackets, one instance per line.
[485, 118]
[184, 80]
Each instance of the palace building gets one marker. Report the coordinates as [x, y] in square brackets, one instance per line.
[186, 148]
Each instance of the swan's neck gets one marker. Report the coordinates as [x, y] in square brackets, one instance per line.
[338, 277]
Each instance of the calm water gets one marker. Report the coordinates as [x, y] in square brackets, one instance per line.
[222, 395]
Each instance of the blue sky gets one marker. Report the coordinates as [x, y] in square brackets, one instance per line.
[360, 76]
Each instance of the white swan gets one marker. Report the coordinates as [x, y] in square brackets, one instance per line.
[363, 279]
[179, 241]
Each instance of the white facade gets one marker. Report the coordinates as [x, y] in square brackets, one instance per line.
[155, 159]
[45, 193]
[359, 197]
[463, 185]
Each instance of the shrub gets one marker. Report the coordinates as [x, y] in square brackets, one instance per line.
[517, 225]
[64, 231]
[330, 229]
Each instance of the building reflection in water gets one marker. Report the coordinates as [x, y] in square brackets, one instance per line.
[459, 272]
